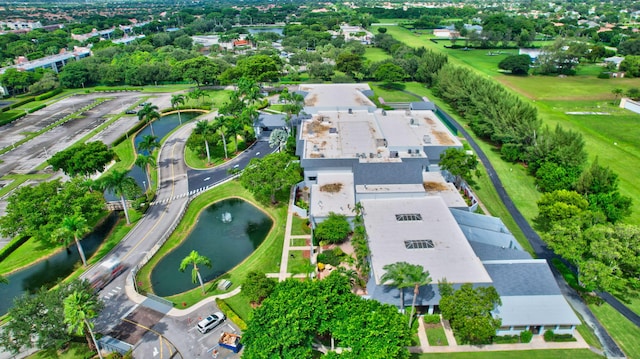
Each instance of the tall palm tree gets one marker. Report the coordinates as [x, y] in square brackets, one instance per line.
[278, 138]
[120, 183]
[205, 128]
[149, 113]
[79, 308]
[234, 128]
[176, 101]
[194, 258]
[249, 90]
[219, 128]
[148, 144]
[404, 275]
[146, 162]
[73, 226]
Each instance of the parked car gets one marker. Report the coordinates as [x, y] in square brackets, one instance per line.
[210, 322]
[131, 112]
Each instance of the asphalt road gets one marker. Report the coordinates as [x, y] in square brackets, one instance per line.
[541, 250]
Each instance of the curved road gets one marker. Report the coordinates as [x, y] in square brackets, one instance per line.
[540, 248]
[177, 182]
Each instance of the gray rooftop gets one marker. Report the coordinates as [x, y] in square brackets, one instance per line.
[451, 256]
[423, 105]
[271, 120]
[536, 310]
[336, 95]
[333, 193]
[485, 229]
[488, 252]
[522, 277]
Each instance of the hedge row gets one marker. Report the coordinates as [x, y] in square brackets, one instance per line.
[16, 104]
[39, 107]
[431, 318]
[230, 314]
[48, 95]
[116, 89]
[550, 336]
[12, 246]
[10, 119]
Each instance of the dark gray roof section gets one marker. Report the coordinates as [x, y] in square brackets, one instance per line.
[368, 93]
[388, 173]
[522, 277]
[484, 229]
[300, 92]
[428, 294]
[423, 105]
[271, 121]
[488, 252]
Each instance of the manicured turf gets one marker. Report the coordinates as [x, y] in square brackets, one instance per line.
[300, 226]
[391, 95]
[265, 259]
[297, 263]
[520, 354]
[626, 334]
[375, 54]
[76, 350]
[436, 335]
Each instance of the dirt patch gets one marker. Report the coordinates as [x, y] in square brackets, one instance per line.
[133, 327]
[444, 138]
[360, 101]
[311, 101]
[431, 186]
[331, 187]
[316, 127]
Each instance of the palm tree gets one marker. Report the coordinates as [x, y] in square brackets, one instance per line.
[176, 101]
[234, 127]
[278, 138]
[194, 258]
[146, 162]
[205, 128]
[149, 113]
[219, 128]
[74, 226]
[293, 103]
[249, 90]
[404, 275]
[79, 308]
[149, 143]
[120, 183]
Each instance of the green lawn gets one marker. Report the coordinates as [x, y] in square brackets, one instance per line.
[240, 305]
[297, 263]
[626, 334]
[375, 54]
[391, 95]
[265, 259]
[76, 350]
[435, 335]
[216, 153]
[300, 226]
[520, 354]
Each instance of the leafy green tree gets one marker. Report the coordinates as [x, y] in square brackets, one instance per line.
[37, 320]
[16, 81]
[205, 129]
[630, 47]
[82, 159]
[562, 147]
[269, 176]
[321, 70]
[195, 259]
[296, 313]
[177, 100]
[560, 206]
[146, 162]
[48, 82]
[405, 275]
[202, 69]
[516, 64]
[121, 184]
[469, 312]
[37, 211]
[631, 66]
[552, 177]
[148, 144]
[257, 286]
[79, 308]
[600, 185]
[459, 164]
[148, 114]
[73, 227]
[349, 63]
[219, 128]
[75, 74]
[334, 229]
[390, 73]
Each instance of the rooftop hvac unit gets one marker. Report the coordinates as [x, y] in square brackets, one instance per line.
[384, 113]
[350, 111]
[426, 139]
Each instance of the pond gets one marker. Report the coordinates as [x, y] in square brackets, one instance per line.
[277, 30]
[227, 232]
[161, 128]
[50, 271]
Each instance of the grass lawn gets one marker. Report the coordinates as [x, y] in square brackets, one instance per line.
[265, 259]
[520, 354]
[300, 226]
[216, 152]
[626, 334]
[391, 95]
[375, 54]
[240, 305]
[297, 263]
[435, 335]
[76, 350]
[299, 242]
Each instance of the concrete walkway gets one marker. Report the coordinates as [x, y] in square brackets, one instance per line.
[287, 247]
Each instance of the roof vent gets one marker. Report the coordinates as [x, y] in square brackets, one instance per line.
[350, 111]
[426, 139]
[384, 113]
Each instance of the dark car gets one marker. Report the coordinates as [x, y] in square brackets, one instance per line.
[130, 112]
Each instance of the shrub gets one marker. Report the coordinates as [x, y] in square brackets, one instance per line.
[334, 229]
[431, 318]
[230, 314]
[48, 95]
[506, 339]
[548, 336]
[12, 118]
[39, 107]
[526, 336]
[330, 257]
[604, 75]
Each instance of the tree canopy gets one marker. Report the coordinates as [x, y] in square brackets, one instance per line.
[334, 229]
[271, 175]
[83, 159]
[516, 64]
[459, 164]
[257, 286]
[298, 312]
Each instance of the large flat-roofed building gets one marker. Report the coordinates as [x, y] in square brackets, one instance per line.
[54, 62]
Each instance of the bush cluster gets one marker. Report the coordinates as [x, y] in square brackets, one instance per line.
[550, 336]
[48, 95]
[506, 339]
[431, 318]
[230, 314]
[333, 256]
